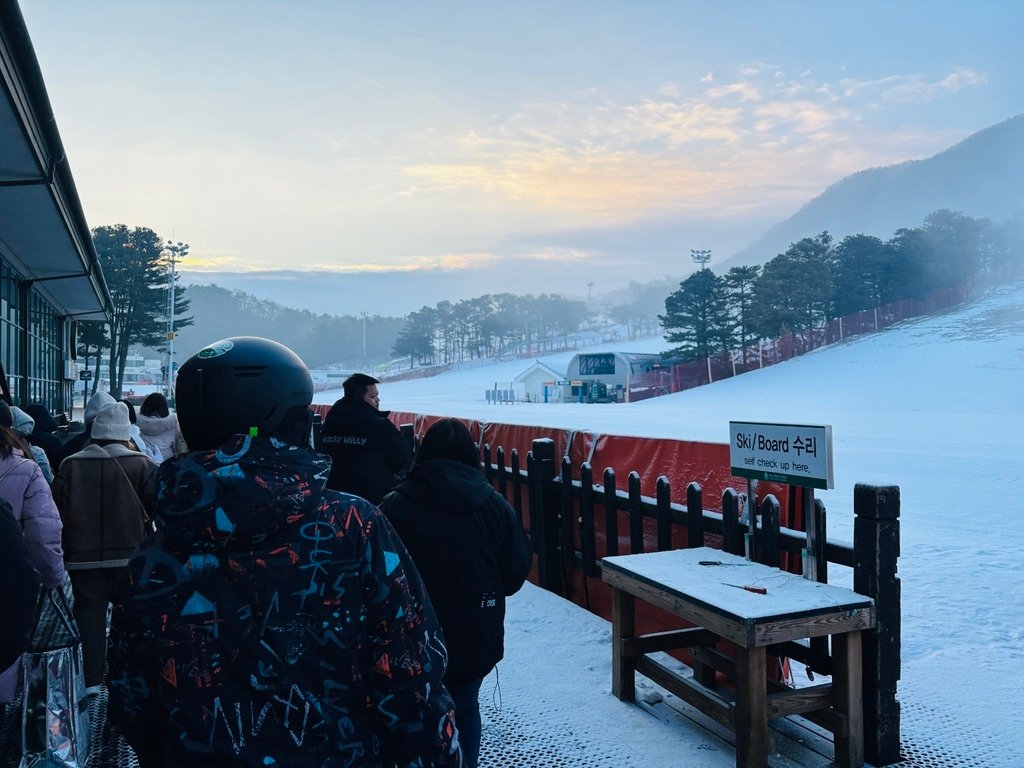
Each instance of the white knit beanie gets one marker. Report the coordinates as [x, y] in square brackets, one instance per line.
[96, 402]
[112, 423]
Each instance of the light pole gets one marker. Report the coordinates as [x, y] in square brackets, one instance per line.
[701, 256]
[363, 313]
[175, 252]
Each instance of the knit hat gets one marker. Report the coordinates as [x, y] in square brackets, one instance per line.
[96, 402]
[111, 423]
[23, 424]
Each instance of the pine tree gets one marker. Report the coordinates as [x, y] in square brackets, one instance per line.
[696, 317]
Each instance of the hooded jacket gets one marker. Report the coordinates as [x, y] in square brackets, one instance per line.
[105, 496]
[23, 487]
[472, 552]
[367, 451]
[163, 434]
[271, 622]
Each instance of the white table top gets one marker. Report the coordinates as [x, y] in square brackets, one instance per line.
[679, 572]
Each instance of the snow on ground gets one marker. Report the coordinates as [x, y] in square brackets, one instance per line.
[935, 406]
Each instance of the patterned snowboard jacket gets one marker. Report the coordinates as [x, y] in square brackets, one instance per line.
[270, 622]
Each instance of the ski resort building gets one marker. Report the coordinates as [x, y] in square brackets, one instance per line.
[608, 377]
[49, 275]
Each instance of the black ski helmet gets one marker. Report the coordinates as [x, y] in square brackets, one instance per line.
[243, 385]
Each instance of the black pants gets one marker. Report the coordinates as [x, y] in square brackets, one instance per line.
[93, 590]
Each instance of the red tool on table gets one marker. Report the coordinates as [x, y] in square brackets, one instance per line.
[748, 588]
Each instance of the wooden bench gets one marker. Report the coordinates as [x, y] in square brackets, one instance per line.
[790, 609]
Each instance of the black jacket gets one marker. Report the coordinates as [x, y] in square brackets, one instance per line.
[368, 453]
[271, 622]
[471, 551]
[44, 432]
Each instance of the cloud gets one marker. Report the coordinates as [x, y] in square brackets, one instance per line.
[914, 88]
[713, 145]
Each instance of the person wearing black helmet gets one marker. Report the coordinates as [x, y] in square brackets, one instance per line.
[269, 621]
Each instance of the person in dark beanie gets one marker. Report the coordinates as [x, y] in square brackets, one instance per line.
[472, 552]
[44, 433]
[368, 453]
[269, 621]
[105, 496]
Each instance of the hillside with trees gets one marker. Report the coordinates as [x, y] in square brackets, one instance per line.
[818, 279]
[982, 177]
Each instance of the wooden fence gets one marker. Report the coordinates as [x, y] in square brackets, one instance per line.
[573, 522]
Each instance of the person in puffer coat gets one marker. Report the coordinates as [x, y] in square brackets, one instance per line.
[26, 492]
[472, 552]
[105, 496]
[269, 621]
[159, 427]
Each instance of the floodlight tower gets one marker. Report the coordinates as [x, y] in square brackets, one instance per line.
[174, 253]
[700, 256]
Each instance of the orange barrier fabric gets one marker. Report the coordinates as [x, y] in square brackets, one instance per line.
[681, 461]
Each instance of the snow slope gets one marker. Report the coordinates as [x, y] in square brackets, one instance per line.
[935, 406]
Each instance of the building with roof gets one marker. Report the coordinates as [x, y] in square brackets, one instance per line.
[49, 274]
[609, 377]
[541, 383]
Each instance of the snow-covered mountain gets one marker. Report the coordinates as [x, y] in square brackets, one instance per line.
[982, 177]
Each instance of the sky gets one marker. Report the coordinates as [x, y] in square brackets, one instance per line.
[932, 405]
[529, 147]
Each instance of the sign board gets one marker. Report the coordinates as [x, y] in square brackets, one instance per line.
[798, 454]
[84, 375]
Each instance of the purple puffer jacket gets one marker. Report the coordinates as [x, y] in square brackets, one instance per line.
[23, 487]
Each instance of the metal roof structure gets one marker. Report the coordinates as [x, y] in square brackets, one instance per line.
[43, 232]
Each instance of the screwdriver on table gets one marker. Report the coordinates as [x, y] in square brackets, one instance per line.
[748, 588]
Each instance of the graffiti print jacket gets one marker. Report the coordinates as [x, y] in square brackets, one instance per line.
[270, 622]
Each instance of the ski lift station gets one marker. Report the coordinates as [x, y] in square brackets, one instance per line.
[607, 377]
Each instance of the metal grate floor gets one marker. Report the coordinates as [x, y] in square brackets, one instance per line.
[958, 748]
[537, 734]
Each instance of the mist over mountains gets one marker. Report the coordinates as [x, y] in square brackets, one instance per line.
[981, 177]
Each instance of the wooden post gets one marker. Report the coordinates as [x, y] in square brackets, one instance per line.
[611, 514]
[636, 515]
[732, 537]
[488, 469]
[876, 548]
[768, 546]
[567, 522]
[499, 456]
[694, 515]
[588, 546]
[664, 499]
[544, 516]
[517, 485]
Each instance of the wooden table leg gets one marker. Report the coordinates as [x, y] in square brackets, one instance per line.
[751, 708]
[623, 627]
[848, 698]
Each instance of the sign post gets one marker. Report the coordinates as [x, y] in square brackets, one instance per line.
[797, 454]
[84, 376]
